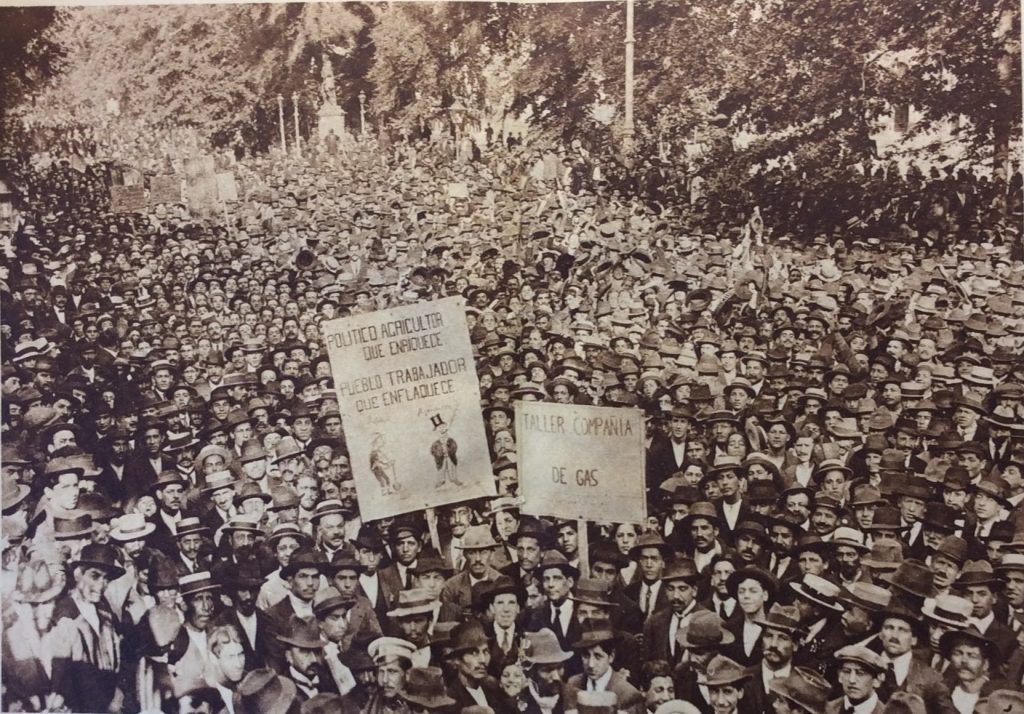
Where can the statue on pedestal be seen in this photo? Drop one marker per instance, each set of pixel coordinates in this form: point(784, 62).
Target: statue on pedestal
point(330, 115)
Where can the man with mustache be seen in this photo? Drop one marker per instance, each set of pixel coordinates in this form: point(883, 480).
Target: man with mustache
point(781, 633)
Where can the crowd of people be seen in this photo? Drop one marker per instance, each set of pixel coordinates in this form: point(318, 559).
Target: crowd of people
point(834, 466)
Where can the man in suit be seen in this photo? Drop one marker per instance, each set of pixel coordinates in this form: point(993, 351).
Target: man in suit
point(242, 585)
point(732, 510)
point(904, 672)
point(597, 647)
point(979, 584)
point(478, 546)
point(648, 592)
point(780, 634)
point(503, 602)
point(361, 621)
point(557, 611)
point(667, 454)
point(303, 577)
point(381, 593)
point(148, 461)
point(469, 656)
point(304, 659)
point(406, 544)
point(816, 600)
point(861, 673)
point(661, 631)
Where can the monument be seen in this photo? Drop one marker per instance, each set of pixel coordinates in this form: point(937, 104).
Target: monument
point(331, 118)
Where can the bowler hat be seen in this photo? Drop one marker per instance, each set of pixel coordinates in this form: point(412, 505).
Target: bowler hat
point(302, 560)
point(101, 556)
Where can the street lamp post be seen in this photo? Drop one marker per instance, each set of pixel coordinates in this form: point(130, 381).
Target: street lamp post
point(280, 121)
point(362, 112)
point(295, 118)
point(628, 129)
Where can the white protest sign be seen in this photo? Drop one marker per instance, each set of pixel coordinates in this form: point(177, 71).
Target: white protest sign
point(410, 404)
point(581, 462)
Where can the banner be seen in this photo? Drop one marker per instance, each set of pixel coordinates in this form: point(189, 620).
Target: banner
point(581, 462)
point(410, 404)
point(227, 190)
point(127, 199)
point(164, 189)
point(201, 185)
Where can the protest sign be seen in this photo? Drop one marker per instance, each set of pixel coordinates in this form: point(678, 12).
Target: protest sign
point(410, 404)
point(227, 190)
point(164, 189)
point(201, 185)
point(581, 462)
point(127, 199)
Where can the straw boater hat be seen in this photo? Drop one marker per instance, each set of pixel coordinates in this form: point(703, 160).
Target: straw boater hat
point(818, 590)
point(131, 526)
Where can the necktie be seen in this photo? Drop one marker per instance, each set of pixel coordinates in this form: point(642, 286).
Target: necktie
point(647, 601)
point(556, 620)
point(673, 629)
point(506, 641)
point(407, 580)
point(721, 609)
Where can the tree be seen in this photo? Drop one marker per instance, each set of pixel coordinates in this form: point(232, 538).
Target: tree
point(29, 55)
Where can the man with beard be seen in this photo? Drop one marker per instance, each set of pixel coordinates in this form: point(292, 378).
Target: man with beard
point(545, 669)
point(780, 634)
point(848, 547)
point(304, 658)
point(862, 602)
point(113, 452)
point(86, 646)
point(752, 544)
point(783, 531)
point(199, 594)
point(241, 584)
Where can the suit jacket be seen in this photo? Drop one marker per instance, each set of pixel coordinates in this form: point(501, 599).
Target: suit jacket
point(264, 652)
point(725, 531)
point(363, 624)
point(387, 594)
point(500, 658)
point(391, 578)
point(736, 651)
point(1003, 636)
point(540, 617)
point(656, 633)
point(632, 593)
point(458, 592)
point(661, 462)
point(139, 474)
point(926, 683)
point(816, 653)
point(496, 697)
point(630, 699)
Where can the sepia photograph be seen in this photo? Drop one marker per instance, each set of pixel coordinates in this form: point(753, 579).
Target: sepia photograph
point(426, 357)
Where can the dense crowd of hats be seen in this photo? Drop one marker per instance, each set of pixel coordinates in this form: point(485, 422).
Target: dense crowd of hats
point(834, 452)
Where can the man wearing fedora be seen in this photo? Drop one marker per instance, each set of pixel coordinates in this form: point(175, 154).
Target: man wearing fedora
point(545, 662)
point(86, 655)
point(304, 574)
point(470, 684)
point(725, 681)
point(781, 633)
point(557, 611)
point(905, 672)
point(477, 548)
point(241, 582)
point(597, 647)
point(974, 663)
point(661, 630)
point(304, 656)
point(981, 586)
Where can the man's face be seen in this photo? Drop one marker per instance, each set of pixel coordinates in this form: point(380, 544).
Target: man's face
point(231, 659)
point(848, 561)
point(152, 440)
point(529, 552)
point(824, 520)
point(334, 625)
point(679, 594)
point(725, 700)
point(190, 545)
point(473, 664)
point(65, 491)
point(556, 584)
point(857, 682)
point(982, 600)
point(62, 438)
point(478, 560)
point(306, 661)
point(968, 662)
point(1014, 587)
point(748, 547)
point(728, 484)
point(548, 678)
point(199, 609)
point(856, 621)
point(778, 647)
point(415, 628)
point(660, 690)
point(811, 562)
point(407, 548)
point(897, 637)
point(678, 428)
point(369, 559)
point(244, 599)
point(90, 583)
point(171, 496)
point(505, 609)
point(985, 507)
point(332, 530)
point(567, 541)
point(651, 563)
point(703, 533)
point(305, 583)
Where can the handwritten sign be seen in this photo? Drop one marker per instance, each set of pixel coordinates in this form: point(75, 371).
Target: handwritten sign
point(127, 199)
point(410, 404)
point(164, 189)
point(581, 462)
